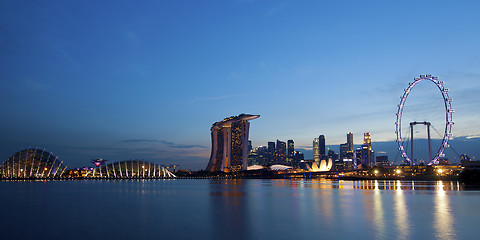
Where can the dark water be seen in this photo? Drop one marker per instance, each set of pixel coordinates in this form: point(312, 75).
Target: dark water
point(238, 209)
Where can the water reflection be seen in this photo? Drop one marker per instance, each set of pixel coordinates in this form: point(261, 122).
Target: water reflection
point(401, 211)
point(382, 209)
point(379, 221)
point(411, 185)
point(228, 209)
point(442, 214)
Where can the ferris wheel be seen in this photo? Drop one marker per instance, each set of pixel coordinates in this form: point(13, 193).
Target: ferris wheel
point(447, 111)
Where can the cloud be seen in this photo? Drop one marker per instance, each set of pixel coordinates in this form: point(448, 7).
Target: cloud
point(215, 98)
point(167, 143)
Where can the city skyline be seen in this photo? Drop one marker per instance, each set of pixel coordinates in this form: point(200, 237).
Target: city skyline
point(145, 81)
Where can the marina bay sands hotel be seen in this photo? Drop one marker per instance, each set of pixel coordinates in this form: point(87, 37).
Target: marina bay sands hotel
point(230, 144)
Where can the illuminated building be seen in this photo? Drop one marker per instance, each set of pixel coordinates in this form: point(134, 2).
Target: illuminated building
point(130, 169)
point(281, 152)
point(370, 158)
point(299, 156)
point(271, 157)
point(230, 143)
point(343, 150)
point(321, 166)
point(350, 141)
point(290, 151)
point(332, 154)
point(32, 163)
point(316, 150)
point(382, 161)
point(321, 146)
point(364, 155)
point(464, 157)
point(367, 139)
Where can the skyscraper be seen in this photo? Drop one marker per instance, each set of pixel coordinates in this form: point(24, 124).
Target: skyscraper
point(321, 146)
point(272, 156)
point(367, 140)
point(350, 141)
point(343, 151)
point(290, 151)
point(316, 150)
point(281, 152)
point(230, 143)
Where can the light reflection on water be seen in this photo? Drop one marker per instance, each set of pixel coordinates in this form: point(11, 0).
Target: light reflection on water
point(443, 218)
point(240, 209)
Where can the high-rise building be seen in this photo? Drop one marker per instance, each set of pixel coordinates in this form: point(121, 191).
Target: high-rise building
point(350, 141)
point(230, 143)
point(316, 150)
point(321, 146)
point(332, 155)
point(367, 140)
point(344, 151)
point(272, 156)
point(364, 156)
point(281, 152)
point(299, 156)
point(290, 151)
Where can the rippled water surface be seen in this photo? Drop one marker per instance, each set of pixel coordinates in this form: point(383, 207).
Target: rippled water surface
point(238, 209)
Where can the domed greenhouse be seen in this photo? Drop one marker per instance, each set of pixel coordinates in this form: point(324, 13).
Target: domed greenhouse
point(32, 163)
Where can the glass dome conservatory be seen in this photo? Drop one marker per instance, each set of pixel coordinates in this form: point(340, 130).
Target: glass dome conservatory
point(32, 163)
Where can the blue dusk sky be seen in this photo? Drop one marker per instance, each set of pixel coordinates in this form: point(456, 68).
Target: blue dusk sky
point(146, 79)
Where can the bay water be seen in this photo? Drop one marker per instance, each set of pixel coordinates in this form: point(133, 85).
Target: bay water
point(238, 209)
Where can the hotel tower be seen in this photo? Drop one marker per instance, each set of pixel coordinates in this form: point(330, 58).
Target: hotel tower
point(230, 144)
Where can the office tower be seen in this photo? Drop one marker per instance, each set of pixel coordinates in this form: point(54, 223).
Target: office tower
point(272, 156)
point(250, 148)
point(364, 156)
point(299, 156)
point(321, 146)
point(316, 150)
point(367, 140)
point(344, 151)
point(332, 155)
point(281, 152)
point(230, 143)
point(290, 151)
point(350, 141)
